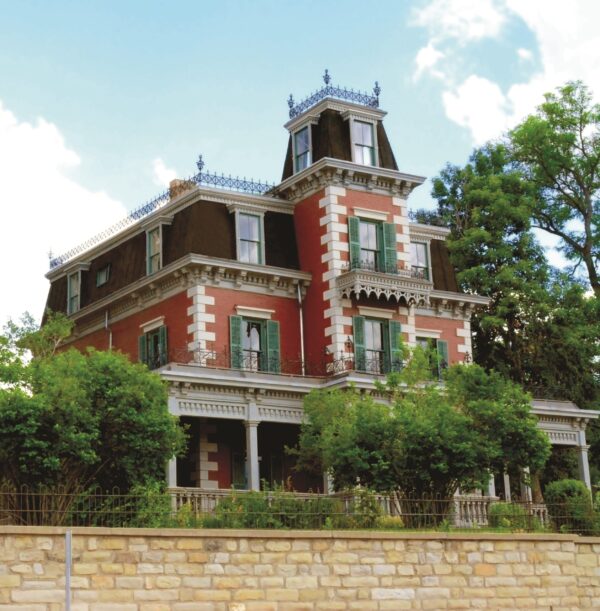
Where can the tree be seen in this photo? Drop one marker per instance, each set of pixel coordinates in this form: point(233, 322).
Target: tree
point(428, 440)
point(558, 150)
point(540, 329)
point(78, 420)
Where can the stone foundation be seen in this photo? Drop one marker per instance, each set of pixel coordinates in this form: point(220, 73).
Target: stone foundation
point(197, 570)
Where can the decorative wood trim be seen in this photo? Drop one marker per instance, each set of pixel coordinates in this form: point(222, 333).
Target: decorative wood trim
point(252, 312)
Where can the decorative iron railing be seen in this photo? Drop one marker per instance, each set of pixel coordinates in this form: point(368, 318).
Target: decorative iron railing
point(211, 179)
point(328, 365)
point(416, 272)
point(333, 91)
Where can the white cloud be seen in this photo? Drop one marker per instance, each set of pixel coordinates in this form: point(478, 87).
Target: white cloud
point(162, 174)
point(426, 59)
point(463, 20)
point(43, 208)
point(525, 54)
point(479, 105)
point(568, 48)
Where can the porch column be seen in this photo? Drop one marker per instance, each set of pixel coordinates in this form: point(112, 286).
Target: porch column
point(584, 465)
point(252, 454)
point(491, 486)
point(507, 496)
point(172, 473)
point(526, 488)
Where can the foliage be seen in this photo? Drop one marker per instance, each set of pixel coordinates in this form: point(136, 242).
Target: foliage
point(570, 507)
point(540, 329)
point(430, 441)
point(79, 420)
point(508, 515)
point(390, 523)
point(558, 150)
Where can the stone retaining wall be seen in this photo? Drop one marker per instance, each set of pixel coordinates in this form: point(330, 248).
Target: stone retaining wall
point(197, 570)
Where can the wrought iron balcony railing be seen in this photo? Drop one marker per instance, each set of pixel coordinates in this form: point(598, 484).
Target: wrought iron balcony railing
point(419, 273)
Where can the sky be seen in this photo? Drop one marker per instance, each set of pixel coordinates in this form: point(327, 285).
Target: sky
point(102, 103)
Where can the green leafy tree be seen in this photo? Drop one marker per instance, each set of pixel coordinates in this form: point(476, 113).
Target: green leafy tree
point(558, 150)
point(540, 328)
point(77, 420)
point(427, 440)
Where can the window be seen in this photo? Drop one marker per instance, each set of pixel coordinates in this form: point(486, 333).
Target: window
point(102, 275)
point(438, 354)
point(419, 261)
point(372, 245)
point(73, 292)
point(377, 345)
point(302, 149)
point(254, 344)
point(363, 142)
point(152, 347)
point(250, 244)
point(153, 250)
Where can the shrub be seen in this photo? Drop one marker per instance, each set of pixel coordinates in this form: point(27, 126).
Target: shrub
point(390, 523)
point(570, 507)
point(509, 515)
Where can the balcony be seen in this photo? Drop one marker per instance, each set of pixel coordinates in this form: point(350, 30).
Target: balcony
point(362, 278)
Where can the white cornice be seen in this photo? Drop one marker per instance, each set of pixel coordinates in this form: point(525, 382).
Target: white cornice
point(199, 269)
point(375, 114)
point(427, 232)
point(185, 199)
point(328, 171)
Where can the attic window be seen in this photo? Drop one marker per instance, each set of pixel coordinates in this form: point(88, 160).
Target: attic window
point(73, 292)
point(302, 149)
point(102, 275)
point(363, 142)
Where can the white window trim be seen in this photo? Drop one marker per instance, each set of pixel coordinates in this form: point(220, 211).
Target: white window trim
point(429, 333)
point(156, 223)
point(249, 212)
point(251, 312)
point(372, 215)
point(308, 124)
point(428, 250)
point(352, 116)
point(375, 313)
point(153, 324)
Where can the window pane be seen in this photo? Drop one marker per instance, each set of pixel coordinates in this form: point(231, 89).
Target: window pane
point(249, 227)
point(363, 133)
point(418, 254)
point(301, 162)
point(252, 252)
point(302, 143)
point(154, 241)
point(373, 335)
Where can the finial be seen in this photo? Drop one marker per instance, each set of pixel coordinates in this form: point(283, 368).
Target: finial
point(50, 254)
point(326, 77)
point(291, 101)
point(200, 163)
point(377, 91)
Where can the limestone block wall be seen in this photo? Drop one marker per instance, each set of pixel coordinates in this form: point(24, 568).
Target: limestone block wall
point(198, 570)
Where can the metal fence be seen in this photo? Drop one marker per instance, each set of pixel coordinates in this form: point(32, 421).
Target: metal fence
point(193, 507)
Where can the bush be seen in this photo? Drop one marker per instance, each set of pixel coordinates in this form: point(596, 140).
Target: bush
point(570, 507)
point(362, 510)
point(509, 515)
point(390, 523)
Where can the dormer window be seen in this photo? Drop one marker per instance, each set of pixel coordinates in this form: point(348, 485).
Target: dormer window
point(302, 149)
point(154, 250)
point(419, 260)
point(250, 238)
point(73, 292)
point(363, 142)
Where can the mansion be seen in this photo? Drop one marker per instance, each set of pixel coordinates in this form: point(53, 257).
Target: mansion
point(245, 296)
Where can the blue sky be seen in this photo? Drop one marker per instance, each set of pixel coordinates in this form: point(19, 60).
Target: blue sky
point(102, 102)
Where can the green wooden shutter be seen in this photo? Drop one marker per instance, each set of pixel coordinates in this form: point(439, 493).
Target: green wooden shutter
point(142, 356)
point(442, 356)
point(273, 354)
point(235, 341)
point(390, 254)
point(395, 346)
point(354, 238)
point(358, 327)
point(162, 345)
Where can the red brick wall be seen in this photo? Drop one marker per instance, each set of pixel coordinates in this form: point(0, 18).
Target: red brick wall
point(448, 332)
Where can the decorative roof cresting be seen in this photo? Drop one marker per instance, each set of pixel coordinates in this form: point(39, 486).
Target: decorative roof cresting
point(210, 179)
point(333, 91)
